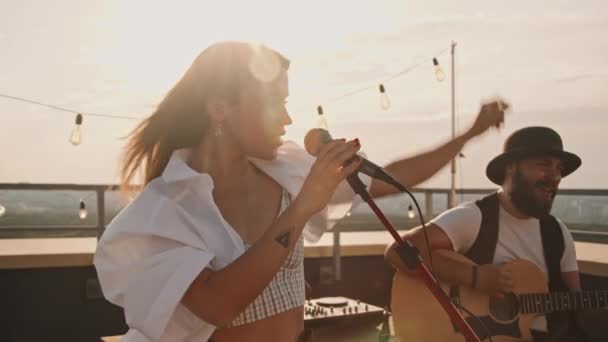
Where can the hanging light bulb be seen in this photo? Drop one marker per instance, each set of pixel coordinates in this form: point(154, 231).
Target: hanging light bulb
point(83, 210)
point(321, 122)
point(439, 74)
point(385, 102)
point(76, 136)
point(2, 210)
point(348, 214)
point(410, 212)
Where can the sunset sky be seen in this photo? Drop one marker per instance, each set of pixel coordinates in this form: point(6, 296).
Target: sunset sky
point(548, 58)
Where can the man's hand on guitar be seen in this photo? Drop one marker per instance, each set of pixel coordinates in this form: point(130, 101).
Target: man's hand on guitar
point(494, 280)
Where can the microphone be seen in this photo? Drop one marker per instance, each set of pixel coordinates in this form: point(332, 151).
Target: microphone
point(317, 137)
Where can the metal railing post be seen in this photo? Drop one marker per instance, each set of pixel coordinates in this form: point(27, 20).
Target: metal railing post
point(337, 256)
point(428, 204)
point(101, 211)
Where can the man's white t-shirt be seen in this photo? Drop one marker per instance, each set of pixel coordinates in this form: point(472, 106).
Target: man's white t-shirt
point(517, 239)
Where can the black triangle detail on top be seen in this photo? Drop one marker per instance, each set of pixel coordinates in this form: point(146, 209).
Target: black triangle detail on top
point(283, 239)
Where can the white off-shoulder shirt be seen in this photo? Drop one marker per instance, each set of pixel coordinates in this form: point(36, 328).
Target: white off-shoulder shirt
point(155, 247)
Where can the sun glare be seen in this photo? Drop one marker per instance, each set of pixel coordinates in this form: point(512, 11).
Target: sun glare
point(156, 41)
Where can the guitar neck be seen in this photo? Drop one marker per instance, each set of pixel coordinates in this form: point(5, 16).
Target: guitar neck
point(562, 301)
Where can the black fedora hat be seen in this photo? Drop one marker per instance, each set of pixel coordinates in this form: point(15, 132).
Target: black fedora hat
point(531, 141)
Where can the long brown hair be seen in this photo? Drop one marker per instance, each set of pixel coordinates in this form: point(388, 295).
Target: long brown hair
point(181, 120)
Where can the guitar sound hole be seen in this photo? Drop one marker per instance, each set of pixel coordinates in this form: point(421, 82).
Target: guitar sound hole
point(504, 309)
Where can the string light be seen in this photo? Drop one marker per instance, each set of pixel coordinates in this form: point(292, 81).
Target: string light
point(67, 110)
point(439, 74)
point(390, 78)
point(385, 102)
point(410, 212)
point(321, 122)
point(76, 135)
point(2, 210)
point(82, 213)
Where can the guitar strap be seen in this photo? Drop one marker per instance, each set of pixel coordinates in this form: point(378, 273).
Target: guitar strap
point(561, 325)
point(483, 249)
point(552, 237)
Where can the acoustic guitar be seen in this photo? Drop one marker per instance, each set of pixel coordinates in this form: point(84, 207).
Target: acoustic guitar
point(417, 316)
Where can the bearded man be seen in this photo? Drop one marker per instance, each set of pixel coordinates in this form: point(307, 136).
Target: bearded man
point(512, 223)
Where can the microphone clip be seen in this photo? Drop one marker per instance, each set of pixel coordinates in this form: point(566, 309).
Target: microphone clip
point(358, 186)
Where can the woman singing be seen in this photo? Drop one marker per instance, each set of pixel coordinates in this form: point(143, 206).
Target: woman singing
point(212, 247)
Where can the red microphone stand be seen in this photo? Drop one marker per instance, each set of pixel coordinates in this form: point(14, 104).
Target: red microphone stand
point(411, 257)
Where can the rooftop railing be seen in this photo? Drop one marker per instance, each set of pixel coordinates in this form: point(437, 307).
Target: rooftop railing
point(52, 210)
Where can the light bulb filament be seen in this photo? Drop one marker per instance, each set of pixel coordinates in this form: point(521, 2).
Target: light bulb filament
point(82, 213)
point(321, 122)
point(385, 102)
point(76, 135)
point(439, 74)
point(410, 212)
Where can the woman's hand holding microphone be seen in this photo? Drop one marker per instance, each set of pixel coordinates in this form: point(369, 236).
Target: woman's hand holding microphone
point(336, 160)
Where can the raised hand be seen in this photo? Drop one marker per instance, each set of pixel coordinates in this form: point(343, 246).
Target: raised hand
point(325, 175)
point(491, 114)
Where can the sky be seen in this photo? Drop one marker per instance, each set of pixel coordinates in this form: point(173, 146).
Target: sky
point(549, 59)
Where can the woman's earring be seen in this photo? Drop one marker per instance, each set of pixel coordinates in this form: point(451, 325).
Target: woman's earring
point(218, 130)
